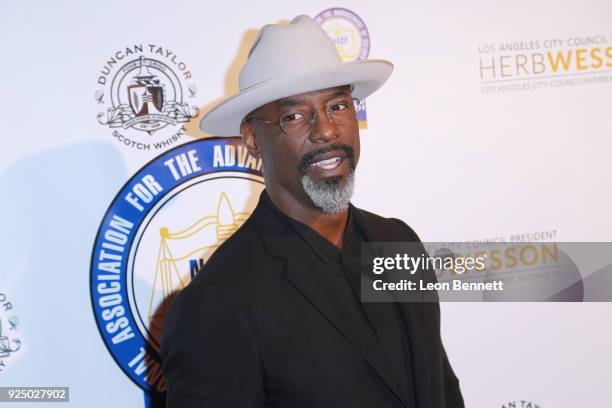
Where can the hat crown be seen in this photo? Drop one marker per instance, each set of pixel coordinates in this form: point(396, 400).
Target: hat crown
point(286, 49)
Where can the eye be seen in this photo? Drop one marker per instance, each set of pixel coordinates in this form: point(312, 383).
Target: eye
point(292, 117)
point(338, 106)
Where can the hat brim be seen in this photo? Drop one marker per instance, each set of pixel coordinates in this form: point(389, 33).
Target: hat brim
point(366, 76)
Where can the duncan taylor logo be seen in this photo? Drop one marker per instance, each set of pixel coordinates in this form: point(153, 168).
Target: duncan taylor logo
point(521, 404)
point(160, 229)
point(146, 95)
point(9, 322)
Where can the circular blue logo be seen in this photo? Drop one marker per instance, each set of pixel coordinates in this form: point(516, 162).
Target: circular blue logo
point(159, 230)
point(348, 32)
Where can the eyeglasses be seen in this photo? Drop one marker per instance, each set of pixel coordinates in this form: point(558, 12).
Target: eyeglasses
point(302, 119)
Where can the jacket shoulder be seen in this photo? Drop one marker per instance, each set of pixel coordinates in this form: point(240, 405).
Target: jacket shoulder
point(238, 267)
point(394, 228)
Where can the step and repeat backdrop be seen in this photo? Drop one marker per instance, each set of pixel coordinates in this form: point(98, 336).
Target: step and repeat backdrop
point(495, 126)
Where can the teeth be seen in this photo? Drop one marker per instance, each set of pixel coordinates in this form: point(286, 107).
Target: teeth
point(328, 164)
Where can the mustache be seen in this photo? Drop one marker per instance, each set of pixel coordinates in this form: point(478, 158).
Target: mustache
point(311, 157)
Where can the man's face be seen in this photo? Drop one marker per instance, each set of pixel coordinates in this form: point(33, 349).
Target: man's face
point(314, 163)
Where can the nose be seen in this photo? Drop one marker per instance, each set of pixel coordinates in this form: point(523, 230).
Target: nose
point(323, 129)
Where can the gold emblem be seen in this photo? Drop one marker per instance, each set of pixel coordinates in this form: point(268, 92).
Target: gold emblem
point(176, 266)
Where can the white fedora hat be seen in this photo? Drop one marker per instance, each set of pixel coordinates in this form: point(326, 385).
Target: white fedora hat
point(287, 60)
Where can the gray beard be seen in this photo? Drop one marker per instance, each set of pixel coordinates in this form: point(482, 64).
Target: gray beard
point(332, 196)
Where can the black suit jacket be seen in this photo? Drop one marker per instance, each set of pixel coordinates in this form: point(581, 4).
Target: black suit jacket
point(263, 325)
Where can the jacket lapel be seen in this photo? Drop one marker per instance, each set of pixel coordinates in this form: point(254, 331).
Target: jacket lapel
point(421, 318)
point(323, 288)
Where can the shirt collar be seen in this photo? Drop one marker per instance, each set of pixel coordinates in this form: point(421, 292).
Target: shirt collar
point(324, 248)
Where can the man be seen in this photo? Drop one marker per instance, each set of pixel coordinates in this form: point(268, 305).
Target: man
point(274, 318)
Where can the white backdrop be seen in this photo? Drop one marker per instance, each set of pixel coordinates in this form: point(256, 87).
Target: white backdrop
point(458, 151)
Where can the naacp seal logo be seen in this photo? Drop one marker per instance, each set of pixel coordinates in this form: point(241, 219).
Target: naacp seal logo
point(144, 95)
point(348, 32)
point(160, 229)
point(9, 323)
point(351, 38)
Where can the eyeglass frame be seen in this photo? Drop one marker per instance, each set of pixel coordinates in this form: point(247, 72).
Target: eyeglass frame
point(277, 122)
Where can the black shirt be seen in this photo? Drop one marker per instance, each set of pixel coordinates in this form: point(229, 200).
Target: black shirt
point(384, 318)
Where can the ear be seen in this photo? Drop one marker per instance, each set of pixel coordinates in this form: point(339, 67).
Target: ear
point(250, 140)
